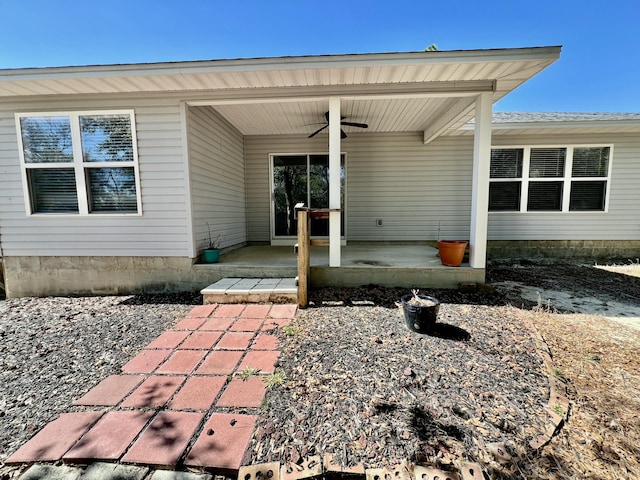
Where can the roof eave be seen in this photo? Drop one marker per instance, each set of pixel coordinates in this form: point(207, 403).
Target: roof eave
point(550, 53)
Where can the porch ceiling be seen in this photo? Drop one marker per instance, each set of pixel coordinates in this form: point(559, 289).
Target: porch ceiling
point(391, 92)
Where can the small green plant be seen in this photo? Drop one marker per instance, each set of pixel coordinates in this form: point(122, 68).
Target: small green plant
point(559, 374)
point(558, 410)
point(248, 372)
point(266, 405)
point(275, 379)
point(291, 331)
point(213, 240)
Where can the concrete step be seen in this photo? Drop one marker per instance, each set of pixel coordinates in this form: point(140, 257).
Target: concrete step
point(251, 290)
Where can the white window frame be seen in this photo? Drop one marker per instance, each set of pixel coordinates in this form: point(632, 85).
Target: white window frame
point(79, 164)
point(566, 179)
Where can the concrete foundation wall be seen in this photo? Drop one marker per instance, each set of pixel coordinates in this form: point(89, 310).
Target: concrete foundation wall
point(48, 276)
point(538, 249)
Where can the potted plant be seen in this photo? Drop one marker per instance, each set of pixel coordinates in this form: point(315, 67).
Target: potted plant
point(211, 254)
point(420, 311)
point(451, 252)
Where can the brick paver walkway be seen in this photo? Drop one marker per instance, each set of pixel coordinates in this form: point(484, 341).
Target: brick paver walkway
point(179, 401)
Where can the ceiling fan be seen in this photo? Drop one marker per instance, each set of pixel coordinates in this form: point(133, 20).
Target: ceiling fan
point(342, 122)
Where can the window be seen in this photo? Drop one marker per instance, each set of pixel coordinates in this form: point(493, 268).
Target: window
point(549, 179)
point(79, 163)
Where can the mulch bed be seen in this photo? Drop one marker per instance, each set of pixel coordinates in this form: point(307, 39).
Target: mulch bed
point(364, 387)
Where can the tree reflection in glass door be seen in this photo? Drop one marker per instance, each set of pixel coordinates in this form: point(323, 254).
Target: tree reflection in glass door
point(302, 179)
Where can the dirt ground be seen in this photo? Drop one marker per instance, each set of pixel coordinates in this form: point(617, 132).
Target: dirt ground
point(589, 316)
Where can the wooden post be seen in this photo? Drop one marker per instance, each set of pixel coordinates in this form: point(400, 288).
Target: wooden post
point(304, 246)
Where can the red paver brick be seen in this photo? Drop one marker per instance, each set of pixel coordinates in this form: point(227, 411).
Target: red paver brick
point(190, 323)
point(198, 393)
point(247, 325)
point(243, 393)
point(50, 443)
point(265, 342)
point(110, 391)
point(202, 310)
point(110, 437)
point(223, 441)
point(154, 391)
point(201, 340)
point(169, 339)
point(229, 310)
point(146, 361)
point(263, 360)
point(256, 311)
point(283, 311)
point(275, 323)
point(217, 324)
point(182, 361)
point(220, 363)
point(165, 439)
point(235, 341)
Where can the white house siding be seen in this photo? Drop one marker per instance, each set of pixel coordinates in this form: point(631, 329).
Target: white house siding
point(621, 222)
point(217, 178)
point(412, 187)
point(160, 231)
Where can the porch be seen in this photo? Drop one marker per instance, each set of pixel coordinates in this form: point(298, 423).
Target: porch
point(384, 264)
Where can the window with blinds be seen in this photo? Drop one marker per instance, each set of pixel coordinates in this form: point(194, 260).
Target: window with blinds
point(549, 179)
point(98, 175)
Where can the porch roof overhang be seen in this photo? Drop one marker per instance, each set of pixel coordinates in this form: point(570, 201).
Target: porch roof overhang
point(432, 92)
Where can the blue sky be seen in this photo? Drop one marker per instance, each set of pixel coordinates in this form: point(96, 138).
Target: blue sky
point(599, 69)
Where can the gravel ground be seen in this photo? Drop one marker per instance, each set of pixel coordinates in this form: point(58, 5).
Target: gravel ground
point(55, 349)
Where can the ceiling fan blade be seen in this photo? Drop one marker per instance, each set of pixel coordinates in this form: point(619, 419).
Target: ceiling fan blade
point(326, 115)
point(317, 131)
point(354, 124)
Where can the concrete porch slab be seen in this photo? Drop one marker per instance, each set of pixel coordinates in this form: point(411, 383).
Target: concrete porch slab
point(251, 290)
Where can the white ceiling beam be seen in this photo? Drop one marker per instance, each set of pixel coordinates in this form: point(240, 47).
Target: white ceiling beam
point(349, 92)
point(448, 118)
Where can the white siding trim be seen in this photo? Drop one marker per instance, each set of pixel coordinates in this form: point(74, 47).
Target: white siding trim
point(184, 135)
point(334, 181)
point(480, 185)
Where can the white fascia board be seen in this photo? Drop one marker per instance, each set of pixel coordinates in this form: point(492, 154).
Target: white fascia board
point(549, 54)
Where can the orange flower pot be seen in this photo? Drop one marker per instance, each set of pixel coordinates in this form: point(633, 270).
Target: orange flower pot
point(452, 252)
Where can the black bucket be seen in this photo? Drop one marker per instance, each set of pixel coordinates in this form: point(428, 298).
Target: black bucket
point(419, 318)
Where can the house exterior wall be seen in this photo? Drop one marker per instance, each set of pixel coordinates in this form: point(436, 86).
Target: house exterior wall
point(161, 230)
point(217, 177)
point(412, 187)
point(620, 222)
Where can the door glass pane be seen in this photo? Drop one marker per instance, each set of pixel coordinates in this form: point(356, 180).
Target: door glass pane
point(289, 188)
point(319, 193)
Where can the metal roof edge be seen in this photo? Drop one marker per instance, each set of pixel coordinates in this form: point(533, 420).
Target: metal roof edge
point(557, 124)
